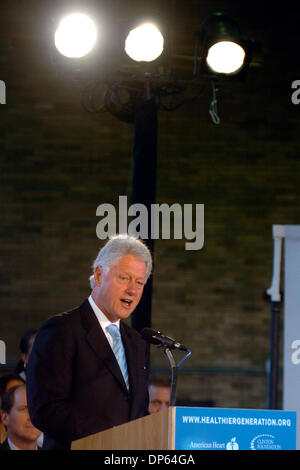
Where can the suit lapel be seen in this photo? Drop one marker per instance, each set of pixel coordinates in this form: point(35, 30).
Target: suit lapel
point(99, 343)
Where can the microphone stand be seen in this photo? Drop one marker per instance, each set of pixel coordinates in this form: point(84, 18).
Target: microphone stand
point(174, 372)
point(174, 376)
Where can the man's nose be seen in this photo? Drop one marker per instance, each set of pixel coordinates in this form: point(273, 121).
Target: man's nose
point(131, 287)
point(27, 416)
point(163, 406)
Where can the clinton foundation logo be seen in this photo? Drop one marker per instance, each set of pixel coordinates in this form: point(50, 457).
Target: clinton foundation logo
point(163, 222)
point(264, 442)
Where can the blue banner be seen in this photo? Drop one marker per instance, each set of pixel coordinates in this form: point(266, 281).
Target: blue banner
point(234, 429)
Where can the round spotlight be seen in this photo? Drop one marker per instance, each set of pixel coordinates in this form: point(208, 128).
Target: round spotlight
point(225, 57)
point(144, 43)
point(75, 36)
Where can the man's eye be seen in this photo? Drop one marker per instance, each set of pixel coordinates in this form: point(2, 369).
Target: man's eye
point(155, 402)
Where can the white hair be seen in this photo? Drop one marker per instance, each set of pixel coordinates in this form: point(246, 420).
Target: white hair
point(119, 246)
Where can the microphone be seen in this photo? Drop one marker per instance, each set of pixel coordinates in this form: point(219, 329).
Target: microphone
point(156, 337)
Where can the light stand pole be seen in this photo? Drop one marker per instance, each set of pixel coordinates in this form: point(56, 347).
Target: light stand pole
point(144, 189)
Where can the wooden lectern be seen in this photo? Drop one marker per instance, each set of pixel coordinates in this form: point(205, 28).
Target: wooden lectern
point(153, 432)
point(192, 428)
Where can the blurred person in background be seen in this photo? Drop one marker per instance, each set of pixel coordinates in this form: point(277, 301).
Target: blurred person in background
point(25, 346)
point(159, 394)
point(21, 434)
point(6, 382)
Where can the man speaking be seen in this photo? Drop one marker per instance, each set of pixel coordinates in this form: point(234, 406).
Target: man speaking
point(88, 370)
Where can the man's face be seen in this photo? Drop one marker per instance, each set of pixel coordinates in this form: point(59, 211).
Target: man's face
point(19, 427)
point(118, 292)
point(158, 398)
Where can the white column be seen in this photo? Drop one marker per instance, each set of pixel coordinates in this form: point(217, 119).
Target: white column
point(291, 347)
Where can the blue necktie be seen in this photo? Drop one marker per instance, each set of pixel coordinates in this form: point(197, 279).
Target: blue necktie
point(118, 350)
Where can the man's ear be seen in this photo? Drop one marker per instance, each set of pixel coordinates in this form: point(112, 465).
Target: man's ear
point(4, 417)
point(97, 276)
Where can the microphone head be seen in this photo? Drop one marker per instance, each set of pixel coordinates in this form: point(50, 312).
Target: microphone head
point(150, 335)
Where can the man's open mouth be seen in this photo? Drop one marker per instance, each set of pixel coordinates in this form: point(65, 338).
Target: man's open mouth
point(126, 302)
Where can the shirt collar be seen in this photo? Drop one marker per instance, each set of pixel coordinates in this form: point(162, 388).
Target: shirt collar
point(102, 318)
point(12, 446)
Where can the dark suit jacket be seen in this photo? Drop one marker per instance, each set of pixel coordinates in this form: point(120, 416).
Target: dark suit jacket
point(5, 445)
point(74, 384)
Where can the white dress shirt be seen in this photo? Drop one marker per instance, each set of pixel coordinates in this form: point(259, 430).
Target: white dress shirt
point(12, 446)
point(103, 320)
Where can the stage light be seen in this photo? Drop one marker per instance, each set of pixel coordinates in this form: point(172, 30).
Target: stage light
point(144, 43)
point(223, 51)
point(225, 57)
point(75, 36)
